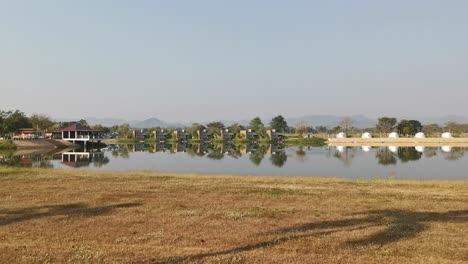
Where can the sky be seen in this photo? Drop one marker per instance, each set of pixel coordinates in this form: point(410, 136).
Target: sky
point(231, 60)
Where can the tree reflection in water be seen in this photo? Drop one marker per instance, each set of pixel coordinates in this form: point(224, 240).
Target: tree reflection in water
point(278, 159)
point(345, 154)
point(257, 156)
point(385, 156)
point(408, 154)
point(300, 154)
point(454, 154)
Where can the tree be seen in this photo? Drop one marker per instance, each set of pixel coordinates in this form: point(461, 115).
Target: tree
point(278, 123)
point(256, 123)
point(124, 131)
point(409, 127)
point(346, 123)
point(42, 122)
point(236, 128)
point(300, 128)
point(215, 127)
point(84, 123)
point(431, 129)
point(454, 127)
point(321, 129)
point(15, 120)
point(193, 130)
point(386, 125)
point(101, 128)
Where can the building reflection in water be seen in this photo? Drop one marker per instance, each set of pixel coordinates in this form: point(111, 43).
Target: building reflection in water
point(256, 153)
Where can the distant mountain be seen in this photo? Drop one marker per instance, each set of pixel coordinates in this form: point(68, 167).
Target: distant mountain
point(359, 121)
point(444, 119)
point(154, 122)
point(148, 123)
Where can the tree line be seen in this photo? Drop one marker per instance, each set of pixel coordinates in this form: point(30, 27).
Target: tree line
point(11, 121)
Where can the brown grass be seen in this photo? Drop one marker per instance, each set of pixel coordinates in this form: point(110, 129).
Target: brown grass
point(53, 216)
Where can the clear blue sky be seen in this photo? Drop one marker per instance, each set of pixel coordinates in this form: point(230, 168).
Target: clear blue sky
point(205, 60)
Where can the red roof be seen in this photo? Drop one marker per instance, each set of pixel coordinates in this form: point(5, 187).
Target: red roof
point(77, 127)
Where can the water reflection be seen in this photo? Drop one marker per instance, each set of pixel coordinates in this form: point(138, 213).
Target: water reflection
point(243, 159)
point(387, 156)
point(345, 154)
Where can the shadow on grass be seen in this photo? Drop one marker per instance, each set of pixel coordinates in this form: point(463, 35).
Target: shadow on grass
point(400, 224)
point(71, 210)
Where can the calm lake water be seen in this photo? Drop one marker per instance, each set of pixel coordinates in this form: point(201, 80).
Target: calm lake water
point(358, 163)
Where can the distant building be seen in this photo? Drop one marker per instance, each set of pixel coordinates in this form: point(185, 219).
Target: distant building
point(274, 136)
point(160, 135)
point(393, 135)
point(249, 134)
point(180, 135)
point(227, 135)
point(28, 133)
point(366, 135)
point(204, 135)
point(78, 132)
point(138, 134)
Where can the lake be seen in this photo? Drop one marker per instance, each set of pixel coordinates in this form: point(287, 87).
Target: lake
point(419, 163)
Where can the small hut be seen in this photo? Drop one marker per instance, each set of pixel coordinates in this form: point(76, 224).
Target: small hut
point(341, 135)
point(447, 135)
point(419, 135)
point(366, 135)
point(393, 135)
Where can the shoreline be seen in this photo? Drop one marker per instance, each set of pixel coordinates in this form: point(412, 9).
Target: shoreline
point(399, 142)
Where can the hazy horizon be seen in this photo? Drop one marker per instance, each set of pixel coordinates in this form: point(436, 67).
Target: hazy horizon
point(184, 61)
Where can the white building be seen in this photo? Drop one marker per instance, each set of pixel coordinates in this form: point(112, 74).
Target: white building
point(393, 135)
point(420, 135)
point(341, 135)
point(366, 135)
point(447, 135)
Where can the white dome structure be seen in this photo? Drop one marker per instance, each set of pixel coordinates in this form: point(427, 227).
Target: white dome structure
point(366, 135)
point(446, 149)
point(393, 149)
point(419, 135)
point(341, 135)
point(420, 149)
point(447, 135)
point(366, 148)
point(393, 135)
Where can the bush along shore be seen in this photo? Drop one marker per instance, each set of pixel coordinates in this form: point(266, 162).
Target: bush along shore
point(7, 145)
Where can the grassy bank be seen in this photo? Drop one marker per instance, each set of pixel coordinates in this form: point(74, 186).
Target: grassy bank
point(51, 216)
point(7, 145)
point(313, 141)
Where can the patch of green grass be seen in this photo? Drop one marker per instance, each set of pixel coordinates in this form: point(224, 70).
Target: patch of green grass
point(7, 145)
point(313, 141)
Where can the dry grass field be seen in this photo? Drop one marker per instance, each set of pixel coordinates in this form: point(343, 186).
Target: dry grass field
point(53, 216)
